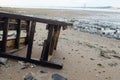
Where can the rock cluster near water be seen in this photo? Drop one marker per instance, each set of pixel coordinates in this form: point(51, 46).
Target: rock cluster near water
point(108, 29)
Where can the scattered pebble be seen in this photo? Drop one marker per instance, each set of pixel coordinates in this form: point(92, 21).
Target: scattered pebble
point(100, 65)
point(99, 72)
point(29, 77)
point(82, 56)
point(103, 71)
point(43, 72)
point(26, 65)
point(78, 53)
point(69, 53)
point(92, 59)
point(63, 58)
point(3, 60)
point(76, 50)
point(95, 69)
point(58, 77)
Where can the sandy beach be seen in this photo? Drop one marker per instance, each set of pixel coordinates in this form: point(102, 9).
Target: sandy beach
point(85, 56)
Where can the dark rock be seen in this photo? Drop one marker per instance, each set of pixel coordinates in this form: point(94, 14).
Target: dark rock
point(58, 77)
point(100, 65)
point(116, 56)
point(82, 56)
point(76, 50)
point(29, 77)
point(92, 59)
point(69, 53)
point(63, 58)
point(43, 72)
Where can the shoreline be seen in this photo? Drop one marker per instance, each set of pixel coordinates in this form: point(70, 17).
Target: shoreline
point(97, 22)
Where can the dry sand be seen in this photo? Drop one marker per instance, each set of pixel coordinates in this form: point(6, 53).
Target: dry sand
point(85, 57)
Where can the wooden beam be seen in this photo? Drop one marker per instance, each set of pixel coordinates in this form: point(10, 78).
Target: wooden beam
point(18, 29)
point(5, 34)
point(48, 21)
point(30, 41)
point(57, 36)
point(27, 30)
point(47, 43)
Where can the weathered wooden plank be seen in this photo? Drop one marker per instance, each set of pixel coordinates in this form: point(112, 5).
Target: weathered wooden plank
point(57, 36)
point(30, 41)
point(18, 29)
point(47, 43)
point(48, 21)
point(27, 31)
point(5, 33)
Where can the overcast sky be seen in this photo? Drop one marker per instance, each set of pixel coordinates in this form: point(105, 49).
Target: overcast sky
point(65, 3)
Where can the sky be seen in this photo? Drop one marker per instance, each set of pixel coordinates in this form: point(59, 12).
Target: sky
point(63, 3)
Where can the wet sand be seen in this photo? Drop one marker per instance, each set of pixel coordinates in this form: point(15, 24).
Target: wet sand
point(85, 57)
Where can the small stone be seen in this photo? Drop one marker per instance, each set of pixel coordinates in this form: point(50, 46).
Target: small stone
point(58, 77)
point(29, 77)
point(43, 72)
point(92, 59)
point(95, 69)
point(76, 50)
point(82, 56)
point(103, 71)
point(3, 60)
point(63, 58)
point(100, 65)
point(99, 72)
point(69, 53)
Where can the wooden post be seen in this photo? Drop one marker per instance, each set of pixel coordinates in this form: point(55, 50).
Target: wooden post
point(47, 43)
point(30, 41)
point(57, 36)
point(5, 34)
point(27, 31)
point(18, 28)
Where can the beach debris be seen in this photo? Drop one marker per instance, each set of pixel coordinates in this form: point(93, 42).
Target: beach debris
point(3, 60)
point(58, 77)
point(29, 76)
point(112, 64)
point(63, 58)
point(82, 56)
point(92, 59)
point(26, 65)
point(69, 53)
point(107, 53)
point(116, 56)
point(43, 71)
point(104, 55)
point(100, 65)
point(77, 50)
